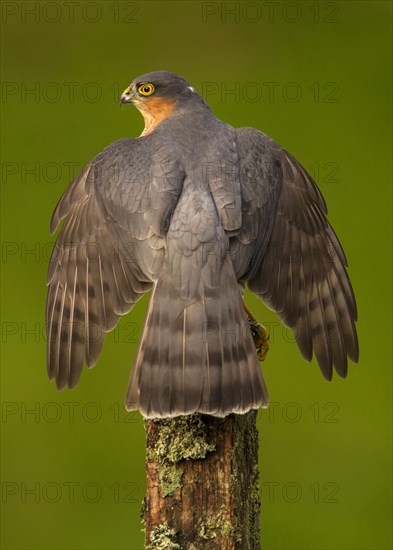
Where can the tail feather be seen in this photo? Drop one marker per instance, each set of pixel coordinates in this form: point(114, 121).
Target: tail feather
point(196, 355)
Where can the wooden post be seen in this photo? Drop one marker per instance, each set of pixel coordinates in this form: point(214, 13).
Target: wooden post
point(202, 483)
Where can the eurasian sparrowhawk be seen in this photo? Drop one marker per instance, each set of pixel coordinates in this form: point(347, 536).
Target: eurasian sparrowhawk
point(194, 210)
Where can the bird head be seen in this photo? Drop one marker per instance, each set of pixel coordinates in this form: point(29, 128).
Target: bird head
point(157, 94)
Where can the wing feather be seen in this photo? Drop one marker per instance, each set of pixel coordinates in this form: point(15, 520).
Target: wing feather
point(92, 277)
point(300, 269)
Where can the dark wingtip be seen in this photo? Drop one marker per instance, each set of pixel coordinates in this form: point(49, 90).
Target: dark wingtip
point(355, 357)
point(326, 372)
point(60, 383)
point(342, 370)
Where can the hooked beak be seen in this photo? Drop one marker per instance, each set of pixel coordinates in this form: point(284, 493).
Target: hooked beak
point(126, 96)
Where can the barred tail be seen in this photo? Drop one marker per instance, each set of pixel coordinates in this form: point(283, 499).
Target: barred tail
point(196, 355)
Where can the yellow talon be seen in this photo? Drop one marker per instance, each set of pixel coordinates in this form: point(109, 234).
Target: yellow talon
point(259, 334)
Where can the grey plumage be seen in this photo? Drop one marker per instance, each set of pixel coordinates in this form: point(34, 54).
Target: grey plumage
point(193, 210)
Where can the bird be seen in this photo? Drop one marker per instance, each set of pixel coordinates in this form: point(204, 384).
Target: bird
point(194, 211)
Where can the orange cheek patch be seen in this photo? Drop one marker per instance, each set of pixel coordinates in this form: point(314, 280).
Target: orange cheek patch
point(154, 111)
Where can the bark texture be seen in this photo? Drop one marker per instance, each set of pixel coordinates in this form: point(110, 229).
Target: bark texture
point(202, 483)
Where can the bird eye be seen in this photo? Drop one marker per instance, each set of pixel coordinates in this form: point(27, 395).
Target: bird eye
point(146, 89)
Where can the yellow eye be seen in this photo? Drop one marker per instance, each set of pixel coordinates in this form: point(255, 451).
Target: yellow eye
point(146, 89)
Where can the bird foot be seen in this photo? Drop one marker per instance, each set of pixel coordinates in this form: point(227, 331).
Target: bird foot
point(259, 334)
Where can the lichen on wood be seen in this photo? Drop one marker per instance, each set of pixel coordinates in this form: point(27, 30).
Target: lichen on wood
point(161, 538)
point(180, 438)
point(203, 483)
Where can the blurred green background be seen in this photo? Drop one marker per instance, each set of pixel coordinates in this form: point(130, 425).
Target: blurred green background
point(316, 77)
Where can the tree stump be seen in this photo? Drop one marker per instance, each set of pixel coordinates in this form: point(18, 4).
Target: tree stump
point(202, 483)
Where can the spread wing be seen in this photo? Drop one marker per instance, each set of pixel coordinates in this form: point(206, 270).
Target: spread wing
point(296, 263)
point(106, 255)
